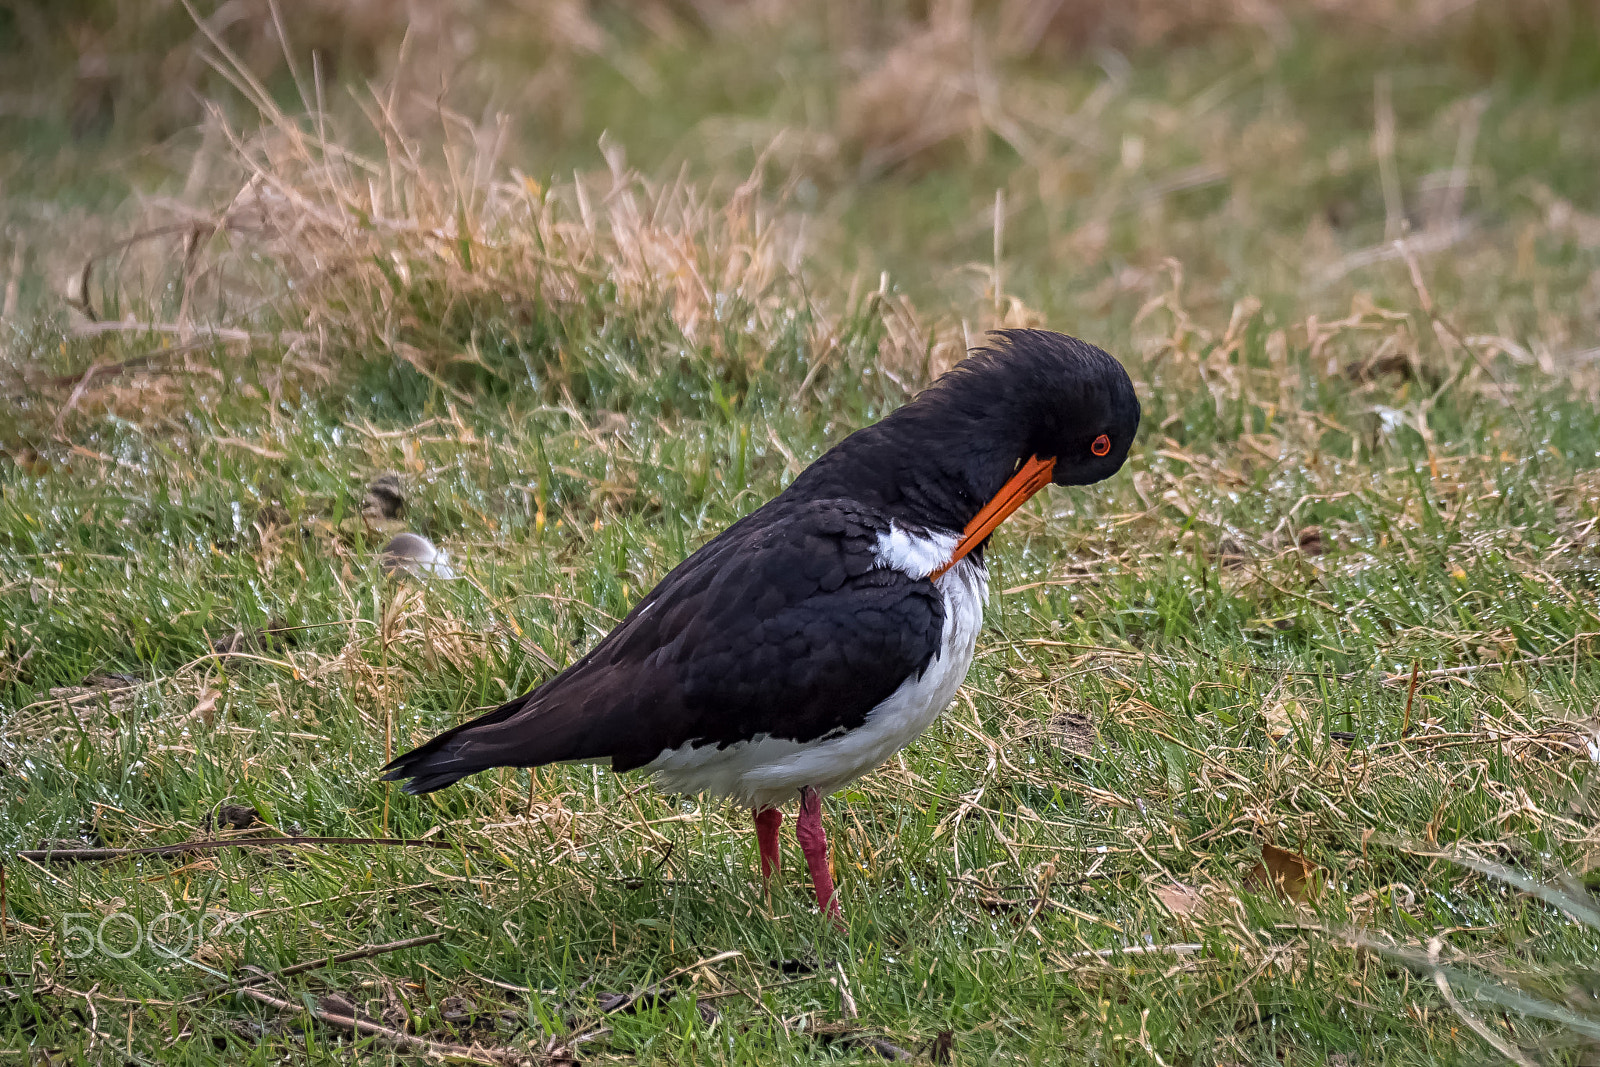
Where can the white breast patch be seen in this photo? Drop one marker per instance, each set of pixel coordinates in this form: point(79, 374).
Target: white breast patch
point(916, 554)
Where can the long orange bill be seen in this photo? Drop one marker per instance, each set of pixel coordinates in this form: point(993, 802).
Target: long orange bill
point(1034, 475)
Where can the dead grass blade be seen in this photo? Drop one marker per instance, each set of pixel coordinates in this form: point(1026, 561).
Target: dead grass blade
point(311, 965)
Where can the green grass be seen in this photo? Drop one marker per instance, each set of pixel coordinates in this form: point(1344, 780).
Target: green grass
point(1329, 491)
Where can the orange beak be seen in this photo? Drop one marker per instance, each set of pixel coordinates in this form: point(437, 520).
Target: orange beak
point(1034, 475)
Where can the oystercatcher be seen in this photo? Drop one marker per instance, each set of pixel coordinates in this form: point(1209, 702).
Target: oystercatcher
point(824, 631)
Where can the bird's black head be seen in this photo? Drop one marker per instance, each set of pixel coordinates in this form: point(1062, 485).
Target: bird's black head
point(1064, 399)
point(942, 458)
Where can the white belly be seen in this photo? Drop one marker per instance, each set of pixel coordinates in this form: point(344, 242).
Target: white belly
point(770, 771)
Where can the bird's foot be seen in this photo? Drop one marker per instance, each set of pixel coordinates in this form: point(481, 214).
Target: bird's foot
point(768, 822)
point(814, 844)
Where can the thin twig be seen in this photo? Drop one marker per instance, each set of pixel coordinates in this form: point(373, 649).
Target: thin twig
point(385, 1034)
point(1405, 720)
point(101, 855)
point(99, 369)
point(1471, 668)
point(655, 989)
point(212, 333)
point(1135, 950)
point(312, 965)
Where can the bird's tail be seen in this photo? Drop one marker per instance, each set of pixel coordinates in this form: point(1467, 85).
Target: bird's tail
point(450, 757)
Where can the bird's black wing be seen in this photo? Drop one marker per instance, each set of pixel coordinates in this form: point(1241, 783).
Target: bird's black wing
point(784, 625)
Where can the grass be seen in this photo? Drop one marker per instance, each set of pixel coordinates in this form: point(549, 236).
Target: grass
point(1232, 709)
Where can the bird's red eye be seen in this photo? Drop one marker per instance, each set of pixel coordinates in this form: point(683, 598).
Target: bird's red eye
point(1101, 446)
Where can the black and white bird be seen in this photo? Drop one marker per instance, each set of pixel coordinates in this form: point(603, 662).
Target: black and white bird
point(823, 632)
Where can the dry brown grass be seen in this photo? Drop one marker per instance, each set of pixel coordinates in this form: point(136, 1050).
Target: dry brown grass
point(319, 259)
point(928, 82)
point(913, 76)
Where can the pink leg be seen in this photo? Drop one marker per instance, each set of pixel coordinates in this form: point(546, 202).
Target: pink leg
point(768, 821)
point(814, 843)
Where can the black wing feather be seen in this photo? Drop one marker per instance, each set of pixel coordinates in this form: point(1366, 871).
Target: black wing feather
point(783, 625)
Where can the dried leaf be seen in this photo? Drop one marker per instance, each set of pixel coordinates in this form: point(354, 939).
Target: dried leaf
point(1289, 874)
point(1283, 717)
point(206, 707)
point(1182, 900)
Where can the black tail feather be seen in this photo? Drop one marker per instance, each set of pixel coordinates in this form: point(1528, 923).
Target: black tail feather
point(438, 763)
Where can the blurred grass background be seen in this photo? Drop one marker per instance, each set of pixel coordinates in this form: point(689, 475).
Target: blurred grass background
point(568, 287)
